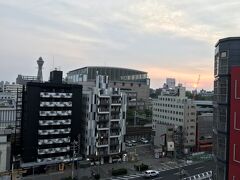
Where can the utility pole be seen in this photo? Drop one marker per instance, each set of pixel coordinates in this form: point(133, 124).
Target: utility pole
point(78, 150)
point(74, 143)
point(135, 114)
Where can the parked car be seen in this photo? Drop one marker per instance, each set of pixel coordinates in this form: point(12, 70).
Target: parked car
point(189, 161)
point(133, 141)
point(151, 173)
point(145, 141)
point(129, 144)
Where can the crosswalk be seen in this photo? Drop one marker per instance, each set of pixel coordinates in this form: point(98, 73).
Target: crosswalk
point(133, 176)
point(162, 167)
point(171, 165)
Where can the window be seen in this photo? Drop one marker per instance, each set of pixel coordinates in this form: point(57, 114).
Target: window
point(223, 54)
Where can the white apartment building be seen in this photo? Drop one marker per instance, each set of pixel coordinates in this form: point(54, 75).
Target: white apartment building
point(174, 108)
point(7, 109)
point(104, 111)
point(13, 88)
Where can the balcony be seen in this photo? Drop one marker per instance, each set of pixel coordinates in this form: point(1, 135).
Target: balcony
point(116, 103)
point(103, 95)
point(54, 131)
point(102, 153)
point(53, 141)
point(103, 110)
point(103, 118)
point(114, 133)
point(102, 144)
point(56, 104)
point(114, 142)
point(55, 95)
point(54, 122)
point(115, 127)
point(104, 102)
point(55, 113)
point(53, 150)
point(115, 109)
point(114, 151)
point(60, 158)
point(116, 93)
point(115, 117)
point(102, 135)
point(102, 127)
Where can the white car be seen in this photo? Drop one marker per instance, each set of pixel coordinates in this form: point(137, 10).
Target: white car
point(129, 144)
point(151, 173)
point(145, 141)
point(133, 141)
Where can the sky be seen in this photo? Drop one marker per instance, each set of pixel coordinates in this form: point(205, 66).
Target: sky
point(166, 38)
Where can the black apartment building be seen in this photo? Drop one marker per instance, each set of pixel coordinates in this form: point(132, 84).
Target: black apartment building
point(51, 121)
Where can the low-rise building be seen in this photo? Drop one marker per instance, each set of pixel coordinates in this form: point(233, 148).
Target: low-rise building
point(173, 108)
point(204, 130)
point(5, 150)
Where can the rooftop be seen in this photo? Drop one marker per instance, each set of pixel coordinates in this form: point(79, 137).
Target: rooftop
point(227, 39)
point(109, 67)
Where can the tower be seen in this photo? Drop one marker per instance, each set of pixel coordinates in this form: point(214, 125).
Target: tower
point(40, 64)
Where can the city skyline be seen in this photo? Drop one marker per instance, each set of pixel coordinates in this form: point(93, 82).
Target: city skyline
point(165, 39)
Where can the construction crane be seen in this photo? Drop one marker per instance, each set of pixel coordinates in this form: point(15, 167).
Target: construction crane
point(196, 86)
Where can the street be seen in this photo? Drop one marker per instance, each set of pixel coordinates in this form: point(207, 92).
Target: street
point(173, 174)
point(168, 168)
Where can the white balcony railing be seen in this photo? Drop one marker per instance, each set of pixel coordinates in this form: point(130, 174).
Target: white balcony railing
point(55, 95)
point(103, 110)
point(53, 150)
point(59, 158)
point(56, 104)
point(54, 131)
point(54, 122)
point(53, 141)
point(102, 144)
point(102, 127)
point(55, 113)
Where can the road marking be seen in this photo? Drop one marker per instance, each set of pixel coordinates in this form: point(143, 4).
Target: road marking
point(158, 177)
point(121, 178)
point(199, 167)
point(132, 176)
point(127, 177)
